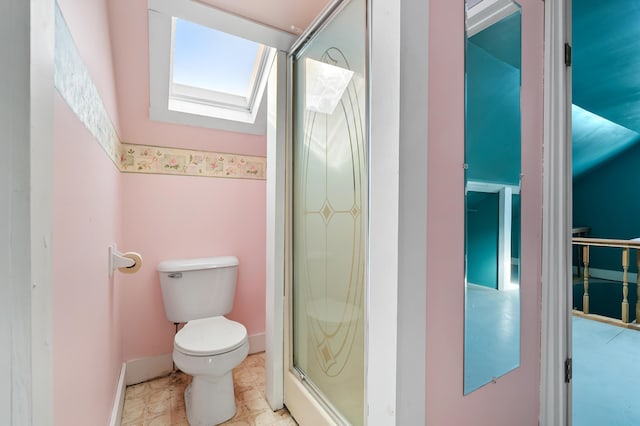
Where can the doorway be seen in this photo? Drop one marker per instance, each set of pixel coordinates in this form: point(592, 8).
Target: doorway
point(605, 152)
point(556, 372)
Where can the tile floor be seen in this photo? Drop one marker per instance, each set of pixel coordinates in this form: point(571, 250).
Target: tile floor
point(160, 402)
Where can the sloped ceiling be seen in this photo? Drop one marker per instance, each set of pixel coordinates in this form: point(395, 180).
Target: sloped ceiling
point(288, 15)
point(502, 40)
point(606, 80)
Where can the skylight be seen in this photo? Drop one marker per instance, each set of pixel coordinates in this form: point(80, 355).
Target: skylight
point(213, 60)
point(216, 74)
point(209, 68)
point(216, 68)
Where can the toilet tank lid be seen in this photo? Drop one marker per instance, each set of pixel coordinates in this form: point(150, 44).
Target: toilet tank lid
point(179, 265)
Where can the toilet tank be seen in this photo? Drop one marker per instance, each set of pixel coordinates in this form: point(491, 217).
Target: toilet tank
point(198, 288)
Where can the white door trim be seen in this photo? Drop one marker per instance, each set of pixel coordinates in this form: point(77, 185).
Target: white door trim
point(276, 214)
point(382, 290)
point(412, 212)
point(555, 394)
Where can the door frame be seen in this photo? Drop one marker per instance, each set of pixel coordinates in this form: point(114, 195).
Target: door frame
point(555, 394)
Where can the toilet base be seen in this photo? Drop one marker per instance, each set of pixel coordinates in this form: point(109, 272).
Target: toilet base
point(210, 400)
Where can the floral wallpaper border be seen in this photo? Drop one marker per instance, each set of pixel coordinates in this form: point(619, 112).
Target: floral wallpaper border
point(73, 82)
point(154, 159)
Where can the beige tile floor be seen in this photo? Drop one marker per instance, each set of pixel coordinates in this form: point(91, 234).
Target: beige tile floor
point(160, 402)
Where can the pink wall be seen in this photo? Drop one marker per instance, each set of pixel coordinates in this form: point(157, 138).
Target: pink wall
point(514, 398)
point(87, 212)
point(174, 216)
point(170, 217)
point(86, 308)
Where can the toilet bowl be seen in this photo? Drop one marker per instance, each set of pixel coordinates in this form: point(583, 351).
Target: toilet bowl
point(200, 292)
point(209, 399)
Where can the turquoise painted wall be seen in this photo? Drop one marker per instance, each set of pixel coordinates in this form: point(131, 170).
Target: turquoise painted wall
point(482, 238)
point(515, 236)
point(606, 122)
point(492, 150)
point(607, 200)
point(492, 145)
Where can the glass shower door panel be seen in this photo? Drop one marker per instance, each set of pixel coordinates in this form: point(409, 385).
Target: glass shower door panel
point(329, 212)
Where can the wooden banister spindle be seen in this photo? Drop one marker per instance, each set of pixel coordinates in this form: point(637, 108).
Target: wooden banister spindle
point(625, 285)
point(585, 296)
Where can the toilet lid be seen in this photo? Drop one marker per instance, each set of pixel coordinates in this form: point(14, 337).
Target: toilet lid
point(210, 336)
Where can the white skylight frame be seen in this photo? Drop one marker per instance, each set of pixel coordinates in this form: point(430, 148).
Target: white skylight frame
point(200, 101)
point(181, 104)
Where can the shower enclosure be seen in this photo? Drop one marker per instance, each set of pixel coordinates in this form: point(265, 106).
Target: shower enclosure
point(328, 215)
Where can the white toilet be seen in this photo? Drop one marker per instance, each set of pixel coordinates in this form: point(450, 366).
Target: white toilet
point(199, 292)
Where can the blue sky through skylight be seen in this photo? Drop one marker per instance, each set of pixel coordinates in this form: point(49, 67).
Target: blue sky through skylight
point(211, 59)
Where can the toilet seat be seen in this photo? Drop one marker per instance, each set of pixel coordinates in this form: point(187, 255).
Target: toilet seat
point(210, 336)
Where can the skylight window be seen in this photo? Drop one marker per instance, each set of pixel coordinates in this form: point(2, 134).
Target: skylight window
point(217, 69)
point(216, 74)
point(209, 68)
point(213, 60)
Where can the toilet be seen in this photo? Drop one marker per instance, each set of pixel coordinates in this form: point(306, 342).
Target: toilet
point(199, 292)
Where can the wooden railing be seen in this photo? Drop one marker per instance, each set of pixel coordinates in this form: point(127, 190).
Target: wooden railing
point(626, 246)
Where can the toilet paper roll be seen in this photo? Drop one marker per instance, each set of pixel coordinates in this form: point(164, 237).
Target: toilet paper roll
point(137, 265)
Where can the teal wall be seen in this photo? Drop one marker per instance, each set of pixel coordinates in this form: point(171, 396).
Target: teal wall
point(607, 200)
point(606, 132)
point(492, 141)
point(482, 238)
point(515, 235)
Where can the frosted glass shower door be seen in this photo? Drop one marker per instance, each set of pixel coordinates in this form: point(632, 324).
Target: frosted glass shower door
point(329, 213)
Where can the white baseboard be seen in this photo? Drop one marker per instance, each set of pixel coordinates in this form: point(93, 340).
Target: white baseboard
point(257, 343)
point(143, 369)
point(606, 274)
point(118, 402)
